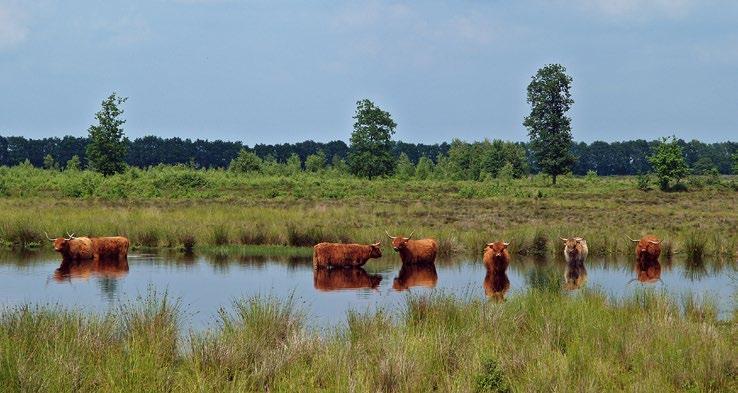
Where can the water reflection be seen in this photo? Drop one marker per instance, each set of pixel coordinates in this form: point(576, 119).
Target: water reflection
point(84, 269)
point(415, 275)
point(648, 270)
point(575, 275)
point(496, 284)
point(335, 279)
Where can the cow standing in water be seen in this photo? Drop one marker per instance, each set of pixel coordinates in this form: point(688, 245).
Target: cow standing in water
point(414, 251)
point(496, 260)
point(79, 248)
point(647, 266)
point(575, 252)
point(344, 255)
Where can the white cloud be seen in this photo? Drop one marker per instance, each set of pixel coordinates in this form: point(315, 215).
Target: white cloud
point(13, 29)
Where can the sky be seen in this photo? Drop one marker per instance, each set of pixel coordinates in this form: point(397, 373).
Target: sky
point(276, 72)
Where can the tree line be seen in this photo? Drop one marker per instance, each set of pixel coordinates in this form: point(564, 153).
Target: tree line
point(613, 158)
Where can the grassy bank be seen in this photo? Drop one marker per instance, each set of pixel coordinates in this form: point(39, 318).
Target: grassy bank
point(231, 210)
point(537, 340)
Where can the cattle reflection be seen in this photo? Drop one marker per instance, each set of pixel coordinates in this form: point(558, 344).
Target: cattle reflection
point(334, 279)
point(648, 270)
point(575, 275)
point(84, 269)
point(496, 284)
point(415, 275)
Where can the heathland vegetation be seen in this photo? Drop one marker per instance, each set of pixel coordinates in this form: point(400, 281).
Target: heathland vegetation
point(540, 339)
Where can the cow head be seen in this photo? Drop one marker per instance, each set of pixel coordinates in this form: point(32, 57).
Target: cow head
point(573, 245)
point(498, 248)
point(376, 250)
point(648, 244)
point(60, 243)
point(399, 242)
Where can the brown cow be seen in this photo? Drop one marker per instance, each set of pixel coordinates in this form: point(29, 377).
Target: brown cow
point(575, 275)
point(73, 248)
point(86, 268)
point(496, 284)
point(110, 247)
point(325, 279)
point(414, 251)
point(496, 256)
point(575, 249)
point(415, 275)
point(648, 248)
point(344, 255)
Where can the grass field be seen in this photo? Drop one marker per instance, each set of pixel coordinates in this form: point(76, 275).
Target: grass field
point(182, 208)
point(539, 340)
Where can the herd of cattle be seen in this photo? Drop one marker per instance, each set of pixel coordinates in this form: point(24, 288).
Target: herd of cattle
point(339, 265)
point(418, 264)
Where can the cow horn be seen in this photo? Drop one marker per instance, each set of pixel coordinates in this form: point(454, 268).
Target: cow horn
point(376, 244)
point(633, 240)
point(70, 237)
point(564, 239)
point(390, 236)
point(411, 235)
point(506, 244)
point(654, 241)
point(47, 236)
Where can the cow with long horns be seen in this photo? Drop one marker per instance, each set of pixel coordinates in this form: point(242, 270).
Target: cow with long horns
point(414, 251)
point(648, 248)
point(575, 249)
point(76, 248)
point(496, 256)
point(72, 248)
point(344, 255)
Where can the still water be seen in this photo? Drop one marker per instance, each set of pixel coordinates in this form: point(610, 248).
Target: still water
point(204, 284)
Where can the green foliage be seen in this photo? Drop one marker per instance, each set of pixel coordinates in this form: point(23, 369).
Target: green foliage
point(424, 169)
point(74, 164)
point(339, 166)
point(668, 163)
point(703, 166)
point(315, 162)
point(405, 168)
point(246, 162)
point(50, 163)
point(507, 172)
point(293, 165)
point(591, 176)
point(643, 180)
point(482, 160)
point(491, 378)
point(107, 149)
point(370, 153)
point(548, 126)
point(735, 163)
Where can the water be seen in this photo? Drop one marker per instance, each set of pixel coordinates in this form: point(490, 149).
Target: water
point(205, 284)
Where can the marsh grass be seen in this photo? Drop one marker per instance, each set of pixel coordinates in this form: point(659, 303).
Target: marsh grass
point(647, 342)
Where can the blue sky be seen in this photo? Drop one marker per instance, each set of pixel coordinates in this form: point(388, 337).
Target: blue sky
point(272, 72)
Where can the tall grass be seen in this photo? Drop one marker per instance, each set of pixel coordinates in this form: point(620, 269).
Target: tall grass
point(437, 343)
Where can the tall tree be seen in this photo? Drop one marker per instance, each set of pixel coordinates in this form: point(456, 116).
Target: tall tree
point(668, 162)
point(106, 151)
point(370, 153)
point(548, 126)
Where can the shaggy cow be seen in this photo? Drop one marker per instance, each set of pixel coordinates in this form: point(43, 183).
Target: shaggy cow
point(415, 275)
point(344, 255)
point(648, 248)
point(496, 256)
point(110, 247)
point(73, 248)
point(414, 251)
point(575, 275)
point(76, 248)
point(575, 249)
point(348, 278)
point(83, 269)
point(496, 284)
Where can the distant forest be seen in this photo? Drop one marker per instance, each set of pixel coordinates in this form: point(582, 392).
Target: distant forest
point(616, 158)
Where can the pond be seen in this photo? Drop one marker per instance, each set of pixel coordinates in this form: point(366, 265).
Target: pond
point(203, 283)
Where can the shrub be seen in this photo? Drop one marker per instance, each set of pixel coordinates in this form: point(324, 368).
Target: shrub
point(643, 180)
point(491, 378)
